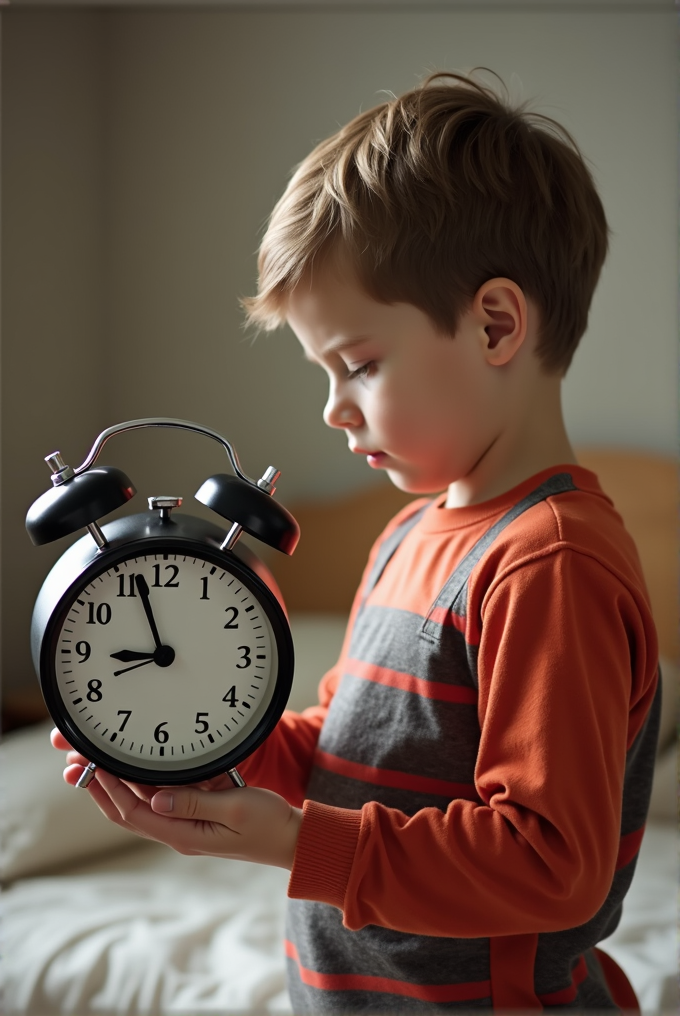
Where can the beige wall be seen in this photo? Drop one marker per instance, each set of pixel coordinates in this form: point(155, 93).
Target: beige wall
point(142, 151)
point(53, 391)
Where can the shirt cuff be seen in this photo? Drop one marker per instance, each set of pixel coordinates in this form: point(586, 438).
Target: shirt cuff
point(324, 854)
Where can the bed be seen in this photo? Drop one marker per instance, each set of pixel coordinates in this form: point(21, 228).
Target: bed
point(97, 921)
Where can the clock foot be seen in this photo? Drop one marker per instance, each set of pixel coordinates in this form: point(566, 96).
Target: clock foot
point(87, 776)
point(236, 778)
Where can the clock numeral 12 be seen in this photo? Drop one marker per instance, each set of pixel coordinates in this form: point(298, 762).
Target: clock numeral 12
point(171, 583)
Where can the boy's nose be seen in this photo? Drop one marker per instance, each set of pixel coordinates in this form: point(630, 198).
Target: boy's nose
point(340, 411)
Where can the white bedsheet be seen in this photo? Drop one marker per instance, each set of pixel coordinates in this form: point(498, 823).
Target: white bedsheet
point(149, 931)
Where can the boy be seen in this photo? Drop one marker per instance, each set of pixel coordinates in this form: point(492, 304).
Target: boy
point(463, 808)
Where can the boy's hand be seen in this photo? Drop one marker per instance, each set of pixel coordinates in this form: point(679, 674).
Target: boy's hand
point(213, 817)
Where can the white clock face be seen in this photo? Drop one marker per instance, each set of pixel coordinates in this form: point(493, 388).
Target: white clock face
point(166, 661)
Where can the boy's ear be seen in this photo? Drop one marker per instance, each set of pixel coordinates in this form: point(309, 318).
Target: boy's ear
point(501, 308)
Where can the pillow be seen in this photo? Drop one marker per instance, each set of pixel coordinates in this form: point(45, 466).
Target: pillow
point(43, 821)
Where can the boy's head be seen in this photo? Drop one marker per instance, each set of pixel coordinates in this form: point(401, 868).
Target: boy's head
point(429, 196)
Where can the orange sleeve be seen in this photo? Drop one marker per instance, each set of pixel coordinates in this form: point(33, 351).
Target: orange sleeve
point(539, 853)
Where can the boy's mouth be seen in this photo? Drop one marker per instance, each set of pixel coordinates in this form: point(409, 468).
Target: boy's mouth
point(374, 459)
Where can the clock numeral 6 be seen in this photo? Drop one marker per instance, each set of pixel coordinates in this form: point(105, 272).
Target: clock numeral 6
point(161, 735)
point(201, 724)
point(100, 615)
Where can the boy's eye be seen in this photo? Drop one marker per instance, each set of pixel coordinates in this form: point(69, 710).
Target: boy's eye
point(364, 371)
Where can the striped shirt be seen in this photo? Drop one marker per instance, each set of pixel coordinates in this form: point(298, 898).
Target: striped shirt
point(477, 774)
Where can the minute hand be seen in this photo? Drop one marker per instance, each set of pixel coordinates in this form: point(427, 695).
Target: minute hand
point(143, 590)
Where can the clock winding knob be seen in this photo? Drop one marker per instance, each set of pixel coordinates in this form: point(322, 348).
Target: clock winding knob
point(164, 505)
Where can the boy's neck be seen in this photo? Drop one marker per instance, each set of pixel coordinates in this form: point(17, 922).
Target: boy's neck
point(533, 438)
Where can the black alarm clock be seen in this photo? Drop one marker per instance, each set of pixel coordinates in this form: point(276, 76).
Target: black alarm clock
point(162, 648)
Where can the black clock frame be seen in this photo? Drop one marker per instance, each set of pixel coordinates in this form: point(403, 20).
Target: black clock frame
point(147, 533)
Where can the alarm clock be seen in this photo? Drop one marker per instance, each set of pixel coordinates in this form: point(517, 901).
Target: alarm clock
point(162, 648)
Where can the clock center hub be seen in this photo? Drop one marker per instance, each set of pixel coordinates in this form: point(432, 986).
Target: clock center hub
point(164, 656)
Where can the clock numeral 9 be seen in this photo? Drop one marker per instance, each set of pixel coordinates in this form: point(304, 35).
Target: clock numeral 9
point(83, 649)
point(102, 614)
point(161, 735)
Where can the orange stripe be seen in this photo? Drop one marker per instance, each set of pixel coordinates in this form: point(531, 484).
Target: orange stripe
point(446, 617)
point(578, 975)
point(361, 982)
point(394, 778)
point(629, 845)
point(408, 682)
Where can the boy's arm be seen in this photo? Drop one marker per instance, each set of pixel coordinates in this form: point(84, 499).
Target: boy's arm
point(557, 712)
point(283, 763)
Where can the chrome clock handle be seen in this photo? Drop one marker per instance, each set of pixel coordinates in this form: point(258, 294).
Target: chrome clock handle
point(62, 472)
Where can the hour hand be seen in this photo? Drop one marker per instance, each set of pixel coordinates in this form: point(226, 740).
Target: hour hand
point(126, 655)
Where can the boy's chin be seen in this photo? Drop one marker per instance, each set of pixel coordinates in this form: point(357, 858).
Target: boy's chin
point(418, 486)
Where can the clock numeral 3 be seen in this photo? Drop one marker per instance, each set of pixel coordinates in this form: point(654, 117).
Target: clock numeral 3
point(245, 659)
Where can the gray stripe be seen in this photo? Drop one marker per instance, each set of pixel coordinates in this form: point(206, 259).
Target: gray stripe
point(374, 951)
point(640, 760)
point(405, 733)
point(388, 637)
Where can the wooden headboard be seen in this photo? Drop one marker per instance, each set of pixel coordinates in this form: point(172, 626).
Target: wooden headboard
point(337, 535)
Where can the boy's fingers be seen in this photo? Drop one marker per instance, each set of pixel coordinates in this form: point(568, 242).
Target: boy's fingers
point(59, 741)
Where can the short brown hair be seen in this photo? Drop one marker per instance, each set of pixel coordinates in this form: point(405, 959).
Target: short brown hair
point(434, 193)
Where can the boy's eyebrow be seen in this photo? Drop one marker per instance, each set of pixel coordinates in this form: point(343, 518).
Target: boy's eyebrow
point(337, 345)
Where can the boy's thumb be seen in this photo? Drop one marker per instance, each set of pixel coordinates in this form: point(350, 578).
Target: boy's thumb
point(163, 802)
point(192, 803)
